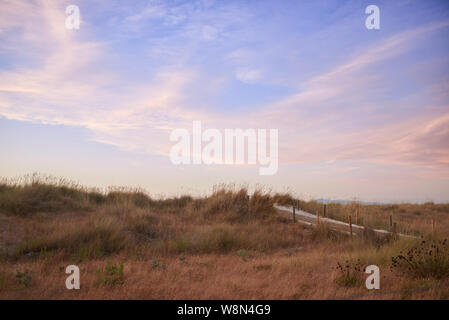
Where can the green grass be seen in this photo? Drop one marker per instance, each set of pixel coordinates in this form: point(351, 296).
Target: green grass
point(110, 275)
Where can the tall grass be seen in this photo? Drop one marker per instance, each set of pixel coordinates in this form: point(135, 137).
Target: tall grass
point(415, 219)
point(63, 218)
point(36, 193)
point(233, 239)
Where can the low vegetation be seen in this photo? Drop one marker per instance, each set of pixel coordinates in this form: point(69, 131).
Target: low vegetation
point(229, 244)
point(429, 259)
point(110, 275)
point(417, 219)
point(350, 274)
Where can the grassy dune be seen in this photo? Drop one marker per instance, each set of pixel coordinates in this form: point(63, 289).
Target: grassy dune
point(223, 246)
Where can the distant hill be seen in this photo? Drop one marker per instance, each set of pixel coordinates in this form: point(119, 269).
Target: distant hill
point(346, 201)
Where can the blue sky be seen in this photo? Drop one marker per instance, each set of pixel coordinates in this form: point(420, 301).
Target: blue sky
point(360, 113)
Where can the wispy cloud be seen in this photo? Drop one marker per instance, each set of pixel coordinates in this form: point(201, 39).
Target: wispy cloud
point(334, 115)
point(337, 116)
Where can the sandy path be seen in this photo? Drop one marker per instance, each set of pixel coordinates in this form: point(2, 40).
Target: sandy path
point(310, 219)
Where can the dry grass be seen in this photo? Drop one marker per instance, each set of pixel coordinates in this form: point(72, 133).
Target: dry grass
point(429, 259)
point(223, 246)
point(410, 218)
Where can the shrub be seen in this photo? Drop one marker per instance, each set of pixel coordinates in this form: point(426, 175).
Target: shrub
point(429, 259)
point(350, 274)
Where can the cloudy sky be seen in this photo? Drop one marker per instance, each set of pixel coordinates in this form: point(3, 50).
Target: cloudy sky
point(360, 113)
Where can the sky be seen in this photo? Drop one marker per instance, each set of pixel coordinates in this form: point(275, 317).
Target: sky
point(361, 113)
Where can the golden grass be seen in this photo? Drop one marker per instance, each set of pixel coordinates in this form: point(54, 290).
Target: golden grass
point(223, 246)
point(410, 218)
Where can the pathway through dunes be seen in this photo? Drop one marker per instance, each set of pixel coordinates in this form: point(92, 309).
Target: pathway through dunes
point(311, 219)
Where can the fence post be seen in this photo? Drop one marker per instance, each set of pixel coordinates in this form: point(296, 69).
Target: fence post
point(294, 219)
point(391, 221)
point(394, 230)
point(350, 226)
point(324, 210)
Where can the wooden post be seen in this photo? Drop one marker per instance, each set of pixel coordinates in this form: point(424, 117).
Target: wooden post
point(350, 226)
point(324, 210)
point(294, 218)
point(391, 221)
point(394, 230)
